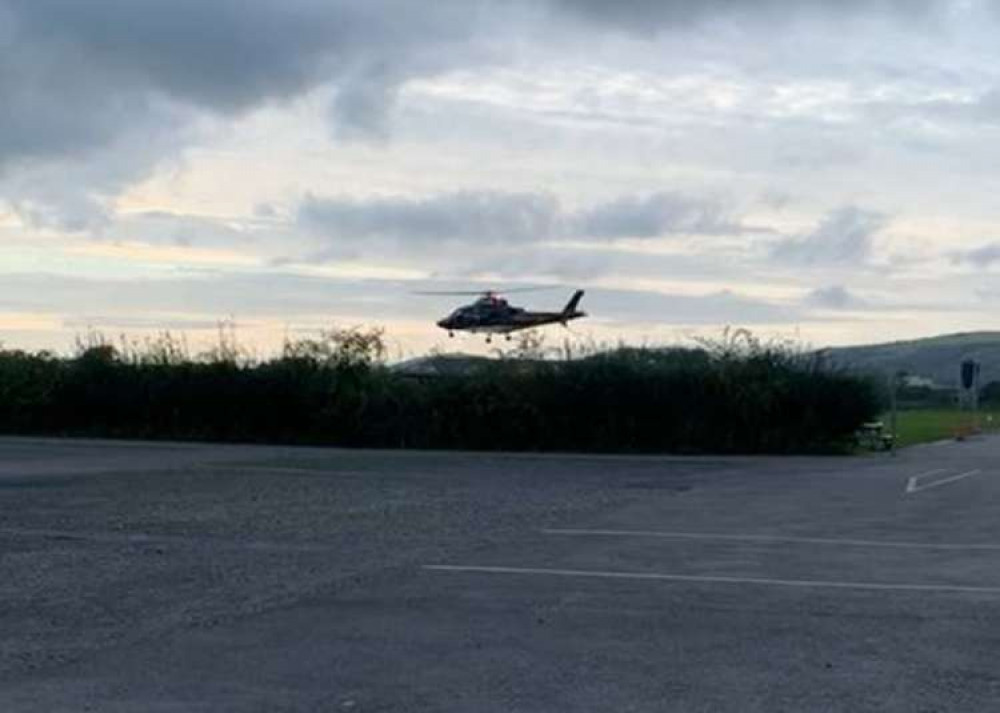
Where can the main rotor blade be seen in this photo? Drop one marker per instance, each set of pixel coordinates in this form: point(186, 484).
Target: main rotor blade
point(528, 289)
point(488, 292)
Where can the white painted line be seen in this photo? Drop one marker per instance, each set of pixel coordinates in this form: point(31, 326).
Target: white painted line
point(912, 485)
point(912, 482)
point(771, 539)
point(699, 579)
point(236, 467)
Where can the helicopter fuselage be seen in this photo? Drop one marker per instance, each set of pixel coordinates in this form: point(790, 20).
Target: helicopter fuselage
point(492, 315)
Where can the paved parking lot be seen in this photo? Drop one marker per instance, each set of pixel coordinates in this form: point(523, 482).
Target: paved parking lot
point(164, 577)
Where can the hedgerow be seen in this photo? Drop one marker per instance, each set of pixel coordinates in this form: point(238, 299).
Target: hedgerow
point(735, 395)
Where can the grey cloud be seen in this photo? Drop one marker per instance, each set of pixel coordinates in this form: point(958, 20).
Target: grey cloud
point(545, 263)
point(75, 75)
point(90, 81)
point(227, 55)
point(93, 81)
point(484, 219)
point(360, 108)
point(265, 211)
point(645, 16)
point(477, 217)
point(655, 215)
point(72, 195)
point(60, 209)
point(834, 297)
point(224, 54)
point(845, 236)
point(724, 307)
point(983, 256)
point(837, 297)
point(580, 265)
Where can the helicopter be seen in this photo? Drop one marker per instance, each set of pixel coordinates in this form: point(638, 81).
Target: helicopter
point(492, 314)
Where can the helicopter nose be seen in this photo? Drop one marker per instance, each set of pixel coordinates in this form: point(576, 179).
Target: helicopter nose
point(443, 323)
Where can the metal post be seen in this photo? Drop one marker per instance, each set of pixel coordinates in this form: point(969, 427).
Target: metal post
point(893, 420)
point(970, 396)
point(975, 399)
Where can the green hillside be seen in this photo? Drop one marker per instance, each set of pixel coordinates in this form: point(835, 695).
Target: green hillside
point(937, 358)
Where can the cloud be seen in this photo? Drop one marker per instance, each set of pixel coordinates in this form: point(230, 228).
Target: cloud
point(983, 256)
point(88, 83)
point(197, 302)
point(75, 75)
point(475, 217)
point(716, 308)
point(226, 56)
point(645, 16)
point(209, 296)
point(96, 81)
point(655, 215)
point(844, 237)
point(835, 297)
point(155, 323)
point(75, 194)
point(487, 219)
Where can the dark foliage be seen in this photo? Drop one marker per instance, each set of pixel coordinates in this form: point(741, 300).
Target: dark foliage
point(990, 394)
point(725, 398)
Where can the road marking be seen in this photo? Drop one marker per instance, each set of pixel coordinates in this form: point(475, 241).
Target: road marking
point(912, 482)
point(279, 470)
point(705, 579)
point(770, 539)
point(912, 485)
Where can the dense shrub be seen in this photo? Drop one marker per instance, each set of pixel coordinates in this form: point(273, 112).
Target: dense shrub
point(734, 396)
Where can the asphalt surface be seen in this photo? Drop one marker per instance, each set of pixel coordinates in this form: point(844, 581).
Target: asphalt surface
point(144, 577)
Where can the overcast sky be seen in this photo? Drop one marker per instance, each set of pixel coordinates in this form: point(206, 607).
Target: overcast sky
point(826, 171)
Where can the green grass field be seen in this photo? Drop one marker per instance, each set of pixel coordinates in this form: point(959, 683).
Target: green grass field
point(927, 425)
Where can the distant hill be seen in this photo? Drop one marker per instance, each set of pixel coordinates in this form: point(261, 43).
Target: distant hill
point(937, 358)
point(440, 365)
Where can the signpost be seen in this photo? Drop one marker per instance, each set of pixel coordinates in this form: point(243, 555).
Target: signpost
point(969, 394)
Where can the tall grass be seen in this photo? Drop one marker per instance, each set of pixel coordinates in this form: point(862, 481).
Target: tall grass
point(734, 395)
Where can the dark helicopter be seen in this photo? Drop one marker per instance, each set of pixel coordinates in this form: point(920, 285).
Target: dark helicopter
point(492, 314)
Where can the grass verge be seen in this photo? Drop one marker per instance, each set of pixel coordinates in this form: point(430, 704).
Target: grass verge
point(929, 425)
